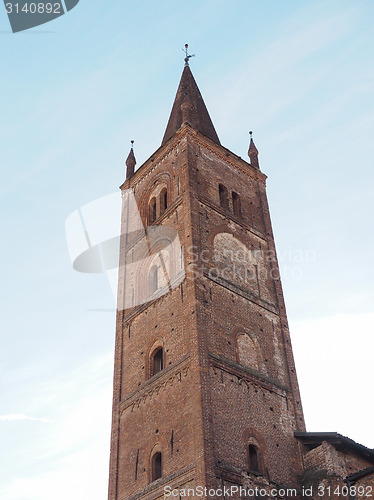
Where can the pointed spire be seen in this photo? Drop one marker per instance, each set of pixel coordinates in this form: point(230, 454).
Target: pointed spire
point(253, 153)
point(189, 107)
point(130, 162)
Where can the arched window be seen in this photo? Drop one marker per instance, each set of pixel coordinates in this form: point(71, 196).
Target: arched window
point(156, 466)
point(223, 197)
point(152, 211)
point(253, 458)
point(236, 204)
point(157, 361)
point(163, 201)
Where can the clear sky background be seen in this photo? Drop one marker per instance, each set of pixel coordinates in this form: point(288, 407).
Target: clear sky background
point(74, 92)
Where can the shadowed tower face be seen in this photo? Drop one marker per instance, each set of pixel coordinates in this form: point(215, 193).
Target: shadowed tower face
point(205, 389)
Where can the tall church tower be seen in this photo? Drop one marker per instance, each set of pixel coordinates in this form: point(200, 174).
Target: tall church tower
point(205, 389)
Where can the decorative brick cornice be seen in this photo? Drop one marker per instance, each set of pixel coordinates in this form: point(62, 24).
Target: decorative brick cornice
point(242, 292)
point(160, 382)
point(175, 481)
point(186, 130)
point(249, 375)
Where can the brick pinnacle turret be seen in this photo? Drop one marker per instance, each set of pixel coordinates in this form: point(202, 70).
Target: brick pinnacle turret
point(253, 153)
point(130, 162)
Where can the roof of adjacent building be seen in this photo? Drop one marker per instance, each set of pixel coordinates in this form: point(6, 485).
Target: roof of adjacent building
point(313, 439)
point(360, 474)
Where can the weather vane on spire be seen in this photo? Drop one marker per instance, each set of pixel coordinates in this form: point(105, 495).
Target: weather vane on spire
point(188, 56)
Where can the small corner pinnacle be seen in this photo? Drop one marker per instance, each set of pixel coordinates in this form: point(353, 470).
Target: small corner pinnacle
point(130, 162)
point(253, 152)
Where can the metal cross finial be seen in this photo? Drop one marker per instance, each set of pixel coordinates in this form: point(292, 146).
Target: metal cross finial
point(188, 56)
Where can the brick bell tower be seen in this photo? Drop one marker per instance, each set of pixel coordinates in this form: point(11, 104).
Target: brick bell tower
point(205, 389)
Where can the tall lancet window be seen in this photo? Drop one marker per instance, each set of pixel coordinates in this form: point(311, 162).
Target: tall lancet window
point(156, 466)
point(223, 196)
point(153, 279)
point(157, 361)
point(236, 204)
point(253, 459)
point(163, 200)
point(152, 211)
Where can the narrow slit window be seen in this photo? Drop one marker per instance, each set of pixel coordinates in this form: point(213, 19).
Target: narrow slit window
point(163, 200)
point(236, 204)
point(153, 279)
point(253, 458)
point(156, 466)
point(157, 361)
point(152, 211)
point(223, 197)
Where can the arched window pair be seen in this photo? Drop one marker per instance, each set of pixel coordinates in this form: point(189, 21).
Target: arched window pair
point(224, 200)
point(152, 207)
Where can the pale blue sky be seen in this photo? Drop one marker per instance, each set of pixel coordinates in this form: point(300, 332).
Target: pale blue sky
point(74, 92)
